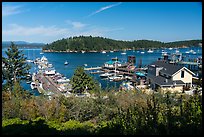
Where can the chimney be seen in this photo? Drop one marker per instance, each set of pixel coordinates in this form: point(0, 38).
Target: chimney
point(157, 70)
point(166, 80)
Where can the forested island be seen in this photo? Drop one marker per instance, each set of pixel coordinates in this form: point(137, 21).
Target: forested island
point(98, 44)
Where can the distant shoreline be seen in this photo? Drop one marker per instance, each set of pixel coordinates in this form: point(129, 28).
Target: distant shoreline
point(93, 51)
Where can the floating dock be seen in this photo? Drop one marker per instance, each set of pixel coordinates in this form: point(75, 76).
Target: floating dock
point(93, 68)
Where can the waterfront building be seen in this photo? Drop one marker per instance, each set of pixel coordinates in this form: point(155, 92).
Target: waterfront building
point(112, 63)
point(169, 77)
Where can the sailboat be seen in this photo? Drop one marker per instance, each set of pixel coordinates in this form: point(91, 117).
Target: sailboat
point(124, 52)
point(32, 85)
point(114, 77)
point(29, 60)
point(150, 51)
point(66, 63)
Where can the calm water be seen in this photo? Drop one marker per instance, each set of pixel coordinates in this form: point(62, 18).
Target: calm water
point(96, 59)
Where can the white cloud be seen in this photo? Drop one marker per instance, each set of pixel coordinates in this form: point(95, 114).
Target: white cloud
point(51, 33)
point(11, 10)
point(104, 8)
point(75, 24)
point(15, 29)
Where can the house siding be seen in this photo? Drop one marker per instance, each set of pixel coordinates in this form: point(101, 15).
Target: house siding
point(187, 76)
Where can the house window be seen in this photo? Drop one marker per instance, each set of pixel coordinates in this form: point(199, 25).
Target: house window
point(182, 74)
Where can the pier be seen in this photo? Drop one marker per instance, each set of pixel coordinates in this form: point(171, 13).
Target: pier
point(93, 68)
point(47, 84)
point(188, 63)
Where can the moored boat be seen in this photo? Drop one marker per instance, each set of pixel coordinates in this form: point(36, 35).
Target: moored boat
point(150, 51)
point(66, 63)
point(105, 75)
point(33, 85)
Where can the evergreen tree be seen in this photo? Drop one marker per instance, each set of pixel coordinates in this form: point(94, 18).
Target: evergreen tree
point(15, 67)
point(82, 82)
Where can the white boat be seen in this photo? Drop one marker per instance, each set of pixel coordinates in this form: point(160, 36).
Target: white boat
point(111, 51)
point(194, 52)
point(191, 51)
point(32, 85)
point(150, 51)
point(142, 52)
point(170, 48)
point(82, 51)
point(164, 52)
point(40, 67)
point(43, 59)
point(85, 65)
point(124, 52)
point(50, 72)
point(29, 60)
point(177, 51)
point(49, 65)
point(187, 52)
point(116, 77)
point(106, 75)
point(103, 52)
point(66, 63)
point(41, 53)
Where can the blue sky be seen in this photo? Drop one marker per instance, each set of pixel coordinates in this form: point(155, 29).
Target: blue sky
point(49, 21)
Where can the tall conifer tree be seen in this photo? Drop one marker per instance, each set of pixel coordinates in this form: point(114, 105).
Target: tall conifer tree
point(14, 67)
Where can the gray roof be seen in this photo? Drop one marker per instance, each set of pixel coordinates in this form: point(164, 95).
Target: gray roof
point(162, 81)
point(167, 68)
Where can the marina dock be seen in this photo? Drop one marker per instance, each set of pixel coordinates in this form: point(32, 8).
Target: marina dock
point(93, 68)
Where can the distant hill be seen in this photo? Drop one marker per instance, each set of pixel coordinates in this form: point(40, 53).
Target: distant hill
point(22, 44)
point(89, 43)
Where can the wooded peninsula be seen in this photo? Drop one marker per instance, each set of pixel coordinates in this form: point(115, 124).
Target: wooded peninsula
point(98, 44)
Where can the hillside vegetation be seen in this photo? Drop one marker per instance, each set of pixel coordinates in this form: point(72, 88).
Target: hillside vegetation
point(89, 43)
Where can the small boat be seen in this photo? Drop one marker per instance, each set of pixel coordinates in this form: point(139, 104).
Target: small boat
point(116, 78)
point(142, 52)
point(187, 52)
point(124, 52)
point(28, 81)
point(164, 52)
point(32, 85)
point(43, 59)
point(82, 51)
point(150, 51)
point(106, 75)
point(49, 65)
point(85, 65)
point(29, 60)
point(177, 51)
point(170, 48)
point(191, 51)
point(66, 63)
point(103, 52)
point(41, 53)
point(111, 51)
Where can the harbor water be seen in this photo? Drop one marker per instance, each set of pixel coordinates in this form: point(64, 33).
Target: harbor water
point(97, 59)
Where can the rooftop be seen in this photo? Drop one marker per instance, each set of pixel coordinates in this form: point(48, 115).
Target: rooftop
point(167, 68)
